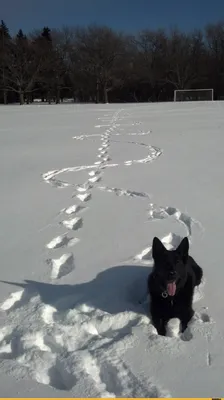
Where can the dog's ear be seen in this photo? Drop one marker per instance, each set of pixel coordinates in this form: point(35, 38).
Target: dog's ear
point(157, 248)
point(183, 249)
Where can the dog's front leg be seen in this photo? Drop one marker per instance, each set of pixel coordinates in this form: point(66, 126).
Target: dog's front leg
point(185, 319)
point(158, 323)
point(162, 329)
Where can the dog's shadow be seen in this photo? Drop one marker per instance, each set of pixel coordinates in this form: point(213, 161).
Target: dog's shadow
point(114, 290)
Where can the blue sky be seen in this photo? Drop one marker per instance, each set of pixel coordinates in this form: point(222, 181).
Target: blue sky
point(127, 15)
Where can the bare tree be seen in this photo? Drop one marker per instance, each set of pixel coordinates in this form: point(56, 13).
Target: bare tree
point(99, 50)
point(63, 47)
point(23, 66)
point(215, 52)
point(152, 46)
point(97, 63)
point(179, 71)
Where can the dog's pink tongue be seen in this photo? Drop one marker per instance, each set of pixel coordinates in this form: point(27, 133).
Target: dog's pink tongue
point(171, 288)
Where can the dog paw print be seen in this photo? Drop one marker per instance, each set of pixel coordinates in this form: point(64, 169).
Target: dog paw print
point(187, 335)
point(200, 318)
point(203, 316)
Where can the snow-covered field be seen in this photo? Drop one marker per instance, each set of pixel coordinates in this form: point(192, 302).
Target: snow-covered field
point(84, 189)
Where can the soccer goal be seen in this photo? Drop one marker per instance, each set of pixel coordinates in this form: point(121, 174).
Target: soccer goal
point(194, 95)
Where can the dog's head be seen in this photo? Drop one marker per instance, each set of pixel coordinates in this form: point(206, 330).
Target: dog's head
point(170, 268)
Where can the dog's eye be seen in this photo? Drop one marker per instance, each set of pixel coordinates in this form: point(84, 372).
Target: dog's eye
point(179, 264)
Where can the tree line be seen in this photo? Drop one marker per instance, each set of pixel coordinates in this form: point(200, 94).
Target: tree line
point(99, 64)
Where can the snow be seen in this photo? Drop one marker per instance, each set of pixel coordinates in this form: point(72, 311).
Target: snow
point(84, 189)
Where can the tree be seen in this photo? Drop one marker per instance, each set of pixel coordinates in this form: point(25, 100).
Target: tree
point(23, 66)
point(68, 72)
point(215, 51)
point(5, 30)
point(46, 34)
point(97, 63)
point(62, 41)
point(4, 45)
point(198, 58)
point(20, 35)
point(152, 49)
point(44, 49)
point(100, 50)
point(178, 69)
point(52, 74)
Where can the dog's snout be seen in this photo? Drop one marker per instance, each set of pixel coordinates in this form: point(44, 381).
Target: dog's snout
point(172, 274)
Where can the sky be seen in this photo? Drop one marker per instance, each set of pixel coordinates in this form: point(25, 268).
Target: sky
point(126, 15)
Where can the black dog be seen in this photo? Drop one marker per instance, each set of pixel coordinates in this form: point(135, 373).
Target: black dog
point(171, 284)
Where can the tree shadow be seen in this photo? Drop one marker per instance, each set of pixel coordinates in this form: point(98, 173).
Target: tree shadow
point(115, 290)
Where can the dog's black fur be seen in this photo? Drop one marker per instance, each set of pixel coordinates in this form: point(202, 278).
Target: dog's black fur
point(172, 266)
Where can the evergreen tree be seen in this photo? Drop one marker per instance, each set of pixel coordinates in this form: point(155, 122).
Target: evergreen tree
point(4, 48)
point(4, 30)
point(46, 34)
point(20, 35)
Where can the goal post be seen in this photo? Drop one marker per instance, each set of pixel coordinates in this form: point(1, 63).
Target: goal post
point(194, 95)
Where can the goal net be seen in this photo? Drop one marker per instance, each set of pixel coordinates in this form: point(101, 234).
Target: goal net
point(193, 95)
